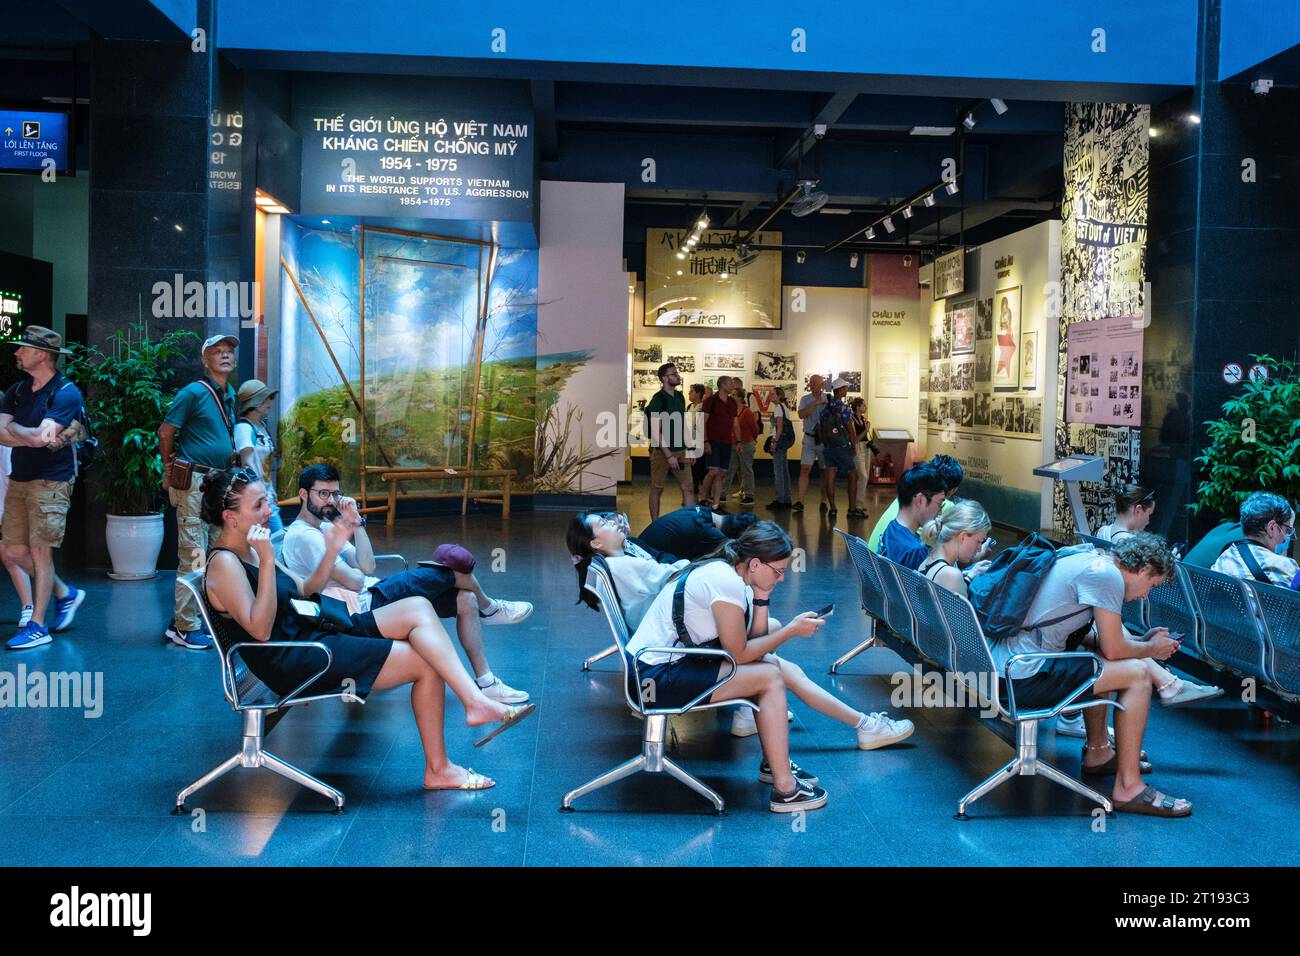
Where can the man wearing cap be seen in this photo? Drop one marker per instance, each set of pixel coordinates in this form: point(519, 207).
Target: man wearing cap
point(837, 436)
point(199, 427)
point(35, 415)
point(253, 441)
point(448, 582)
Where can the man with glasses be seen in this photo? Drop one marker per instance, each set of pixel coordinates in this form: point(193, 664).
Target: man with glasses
point(1268, 523)
point(198, 428)
point(448, 582)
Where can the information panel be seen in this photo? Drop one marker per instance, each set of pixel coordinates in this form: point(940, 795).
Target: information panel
point(1104, 384)
point(445, 164)
point(28, 138)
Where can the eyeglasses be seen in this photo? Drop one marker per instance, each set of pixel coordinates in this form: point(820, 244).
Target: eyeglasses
point(326, 494)
point(779, 572)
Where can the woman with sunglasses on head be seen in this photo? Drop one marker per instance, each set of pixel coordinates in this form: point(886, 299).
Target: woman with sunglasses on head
point(724, 600)
point(1134, 505)
point(402, 643)
point(638, 573)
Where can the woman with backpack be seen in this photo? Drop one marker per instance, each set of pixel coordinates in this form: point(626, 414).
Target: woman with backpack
point(782, 440)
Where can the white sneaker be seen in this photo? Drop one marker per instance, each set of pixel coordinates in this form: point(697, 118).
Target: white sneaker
point(25, 616)
point(882, 730)
point(503, 693)
point(507, 612)
point(1071, 725)
point(744, 725)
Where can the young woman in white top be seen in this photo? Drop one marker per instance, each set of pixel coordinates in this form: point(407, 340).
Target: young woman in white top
point(638, 576)
point(253, 440)
point(956, 538)
point(1134, 506)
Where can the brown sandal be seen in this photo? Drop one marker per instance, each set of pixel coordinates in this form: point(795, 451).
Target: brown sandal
point(1153, 803)
point(1111, 767)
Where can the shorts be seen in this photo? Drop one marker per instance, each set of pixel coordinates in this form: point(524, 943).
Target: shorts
point(1054, 680)
point(659, 470)
point(675, 683)
point(436, 584)
point(36, 512)
point(719, 455)
point(839, 458)
point(811, 450)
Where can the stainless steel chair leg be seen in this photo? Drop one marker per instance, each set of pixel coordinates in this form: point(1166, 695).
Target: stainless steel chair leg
point(635, 765)
point(869, 642)
point(992, 783)
point(1070, 783)
point(612, 649)
point(703, 789)
point(271, 762)
point(220, 770)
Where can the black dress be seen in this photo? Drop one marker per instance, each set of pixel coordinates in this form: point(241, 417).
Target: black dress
point(284, 668)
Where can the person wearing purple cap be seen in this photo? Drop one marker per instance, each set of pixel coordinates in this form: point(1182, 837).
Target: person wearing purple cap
point(447, 582)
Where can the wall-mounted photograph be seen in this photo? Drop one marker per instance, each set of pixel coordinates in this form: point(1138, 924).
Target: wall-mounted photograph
point(1006, 339)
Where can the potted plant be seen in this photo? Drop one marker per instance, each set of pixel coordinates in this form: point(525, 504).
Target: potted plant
point(127, 393)
point(1255, 446)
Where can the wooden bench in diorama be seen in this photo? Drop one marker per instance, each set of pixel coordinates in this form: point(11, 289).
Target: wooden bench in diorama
point(392, 476)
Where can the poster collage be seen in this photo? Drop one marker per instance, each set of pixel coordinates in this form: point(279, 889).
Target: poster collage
point(763, 371)
point(981, 366)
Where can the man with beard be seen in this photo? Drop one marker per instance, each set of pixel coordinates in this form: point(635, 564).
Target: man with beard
point(448, 582)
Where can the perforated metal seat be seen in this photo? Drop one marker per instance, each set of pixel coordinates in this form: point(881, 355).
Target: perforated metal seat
point(975, 669)
point(932, 637)
point(1171, 605)
point(652, 758)
point(1280, 610)
point(259, 706)
point(898, 613)
point(873, 595)
point(1233, 635)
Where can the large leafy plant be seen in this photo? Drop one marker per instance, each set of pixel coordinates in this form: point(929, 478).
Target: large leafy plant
point(127, 391)
point(1255, 446)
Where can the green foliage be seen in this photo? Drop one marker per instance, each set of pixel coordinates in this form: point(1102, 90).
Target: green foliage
point(1255, 446)
point(128, 391)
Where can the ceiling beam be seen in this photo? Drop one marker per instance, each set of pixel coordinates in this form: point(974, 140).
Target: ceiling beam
point(828, 115)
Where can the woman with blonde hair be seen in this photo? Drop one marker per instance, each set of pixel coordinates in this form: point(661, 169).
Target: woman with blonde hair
point(957, 537)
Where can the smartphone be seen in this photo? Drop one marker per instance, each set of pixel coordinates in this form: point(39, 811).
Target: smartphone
point(305, 608)
point(1174, 635)
point(827, 611)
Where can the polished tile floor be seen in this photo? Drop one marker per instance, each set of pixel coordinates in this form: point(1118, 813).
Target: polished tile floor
point(97, 791)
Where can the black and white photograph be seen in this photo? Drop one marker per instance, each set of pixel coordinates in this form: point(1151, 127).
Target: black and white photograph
point(648, 352)
point(997, 414)
point(966, 417)
point(854, 379)
point(684, 363)
point(645, 378)
point(776, 366)
point(963, 375)
point(725, 361)
point(984, 320)
point(981, 413)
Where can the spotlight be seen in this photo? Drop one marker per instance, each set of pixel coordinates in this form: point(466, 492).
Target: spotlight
point(871, 232)
point(1153, 132)
point(681, 255)
point(889, 225)
point(722, 275)
point(907, 212)
point(801, 257)
point(679, 271)
point(929, 199)
point(968, 121)
point(1194, 119)
point(703, 222)
point(853, 261)
point(952, 188)
point(1000, 106)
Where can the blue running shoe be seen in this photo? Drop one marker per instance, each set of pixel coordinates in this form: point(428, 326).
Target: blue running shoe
point(65, 608)
point(31, 635)
point(196, 640)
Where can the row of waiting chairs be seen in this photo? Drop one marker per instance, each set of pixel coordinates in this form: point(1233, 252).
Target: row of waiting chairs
point(1240, 626)
point(942, 627)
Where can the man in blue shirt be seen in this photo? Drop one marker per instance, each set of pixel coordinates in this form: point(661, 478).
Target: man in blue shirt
point(35, 415)
point(920, 496)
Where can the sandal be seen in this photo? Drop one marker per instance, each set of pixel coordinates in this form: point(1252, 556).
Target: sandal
point(1153, 803)
point(472, 781)
point(1142, 754)
point(513, 716)
point(1111, 767)
point(1188, 693)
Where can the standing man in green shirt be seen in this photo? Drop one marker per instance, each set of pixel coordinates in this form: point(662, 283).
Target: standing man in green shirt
point(666, 415)
point(199, 427)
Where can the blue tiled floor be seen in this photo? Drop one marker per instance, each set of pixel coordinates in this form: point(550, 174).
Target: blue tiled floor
point(98, 791)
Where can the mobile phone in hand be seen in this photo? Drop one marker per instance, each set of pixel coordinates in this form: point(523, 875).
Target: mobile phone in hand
point(827, 611)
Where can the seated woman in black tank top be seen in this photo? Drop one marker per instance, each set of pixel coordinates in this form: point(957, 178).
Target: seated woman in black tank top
point(401, 643)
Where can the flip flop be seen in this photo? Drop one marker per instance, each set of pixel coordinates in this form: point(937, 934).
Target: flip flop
point(1153, 803)
point(1111, 767)
point(513, 716)
point(1189, 693)
point(473, 781)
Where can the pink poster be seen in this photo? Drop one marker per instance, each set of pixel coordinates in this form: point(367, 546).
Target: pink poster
point(1104, 382)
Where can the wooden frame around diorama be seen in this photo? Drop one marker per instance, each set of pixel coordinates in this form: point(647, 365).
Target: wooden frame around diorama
point(480, 333)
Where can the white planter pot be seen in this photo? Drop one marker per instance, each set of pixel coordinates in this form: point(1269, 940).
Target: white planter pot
point(134, 542)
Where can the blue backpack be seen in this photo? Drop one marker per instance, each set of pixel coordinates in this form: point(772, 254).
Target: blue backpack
point(1003, 594)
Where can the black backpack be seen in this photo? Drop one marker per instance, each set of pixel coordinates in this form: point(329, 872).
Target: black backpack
point(83, 452)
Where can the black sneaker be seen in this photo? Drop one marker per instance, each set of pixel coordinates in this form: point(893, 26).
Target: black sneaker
point(822, 506)
point(747, 500)
point(803, 798)
point(720, 510)
point(797, 506)
point(831, 513)
point(800, 775)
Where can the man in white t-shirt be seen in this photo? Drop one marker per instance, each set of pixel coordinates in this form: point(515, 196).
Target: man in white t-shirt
point(810, 408)
point(1083, 589)
point(449, 584)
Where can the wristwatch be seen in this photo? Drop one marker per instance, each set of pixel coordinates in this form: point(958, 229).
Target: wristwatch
point(361, 521)
point(762, 602)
